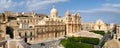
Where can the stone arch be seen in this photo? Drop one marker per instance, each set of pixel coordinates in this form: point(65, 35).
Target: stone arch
point(119, 39)
point(31, 35)
point(20, 34)
point(9, 30)
point(25, 34)
point(25, 38)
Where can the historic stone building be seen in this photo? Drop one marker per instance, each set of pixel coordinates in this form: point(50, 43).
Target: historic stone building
point(87, 26)
point(2, 30)
point(73, 23)
point(3, 18)
point(98, 25)
point(114, 43)
point(115, 33)
point(15, 14)
point(118, 31)
point(3, 21)
point(34, 27)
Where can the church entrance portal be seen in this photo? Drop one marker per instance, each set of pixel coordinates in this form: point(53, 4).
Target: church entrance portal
point(25, 39)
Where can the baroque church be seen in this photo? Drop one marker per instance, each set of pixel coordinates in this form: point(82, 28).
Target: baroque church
point(34, 27)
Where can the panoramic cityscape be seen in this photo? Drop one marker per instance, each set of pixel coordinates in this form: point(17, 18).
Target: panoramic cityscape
point(59, 24)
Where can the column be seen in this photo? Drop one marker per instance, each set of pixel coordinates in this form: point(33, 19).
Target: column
point(71, 28)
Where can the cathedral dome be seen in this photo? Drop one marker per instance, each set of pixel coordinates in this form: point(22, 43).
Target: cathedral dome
point(53, 12)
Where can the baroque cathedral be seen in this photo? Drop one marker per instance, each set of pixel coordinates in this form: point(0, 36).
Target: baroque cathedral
point(34, 27)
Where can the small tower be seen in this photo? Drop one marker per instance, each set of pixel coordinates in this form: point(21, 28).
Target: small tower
point(74, 17)
point(79, 17)
point(33, 13)
point(6, 15)
point(67, 16)
point(67, 13)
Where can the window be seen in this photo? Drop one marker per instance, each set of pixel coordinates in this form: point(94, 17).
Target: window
point(119, 39)
point(25, 34)
point(30, 33)
point(0, 35)
point(30, 27)
point(20, 34)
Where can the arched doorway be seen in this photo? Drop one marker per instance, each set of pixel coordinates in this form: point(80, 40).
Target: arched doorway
point(9, 30)
point(25, 38)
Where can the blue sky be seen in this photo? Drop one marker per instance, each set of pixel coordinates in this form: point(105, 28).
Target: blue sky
point(90, 10)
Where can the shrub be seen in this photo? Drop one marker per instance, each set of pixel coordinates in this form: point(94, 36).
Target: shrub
point(74, 39)
point(79, 42)
point(63, 42)
point(98, 32)
point(86, 45)
point(94, 41)
point(77, 45)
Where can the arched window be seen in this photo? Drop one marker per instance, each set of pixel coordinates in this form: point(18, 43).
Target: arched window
point(20, 34)
point(31, 38)
point(25, 34)
point(30, 33)
point(119, 39)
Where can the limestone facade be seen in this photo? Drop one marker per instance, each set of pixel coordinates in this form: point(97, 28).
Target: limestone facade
point(118, 31)
point(114, 43)
point(42, 27)
point(98, 25)
point(2, 30)
point(3, 20)
point(33, 27)
point(15, 14)
point(87, 26)
point(73, 23)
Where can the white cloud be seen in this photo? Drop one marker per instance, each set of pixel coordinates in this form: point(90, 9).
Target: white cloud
point(28, 5)
point(21, 3)
point(111, 5)
point(113, 8)
point(40, 4)
point(6, 4)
